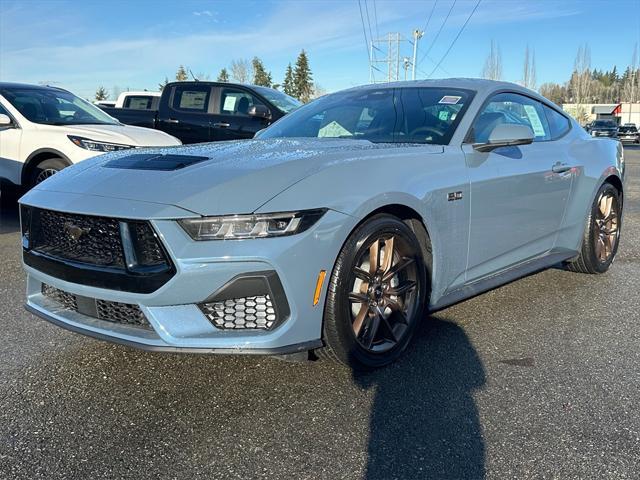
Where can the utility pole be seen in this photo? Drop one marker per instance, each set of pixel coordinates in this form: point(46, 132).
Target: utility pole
point(417, 35)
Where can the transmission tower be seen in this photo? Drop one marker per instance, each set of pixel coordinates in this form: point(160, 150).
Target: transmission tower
point(387, 57)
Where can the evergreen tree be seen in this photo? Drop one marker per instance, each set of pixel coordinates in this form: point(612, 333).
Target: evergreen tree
point(302, 79)
point(260, 75)
point(223, 76)
point(288, 86)
point(181, 74)
point(102, 94)
point(163, 84)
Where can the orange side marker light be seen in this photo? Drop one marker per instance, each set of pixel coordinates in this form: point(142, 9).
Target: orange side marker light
point(316, 295)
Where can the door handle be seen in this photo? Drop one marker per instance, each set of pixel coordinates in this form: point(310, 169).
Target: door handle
point(172, 120)
point(221, 125)
point(560, 167)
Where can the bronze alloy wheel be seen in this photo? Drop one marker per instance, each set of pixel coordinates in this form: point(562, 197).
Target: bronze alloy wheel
point(383, 296)
point(606, 222)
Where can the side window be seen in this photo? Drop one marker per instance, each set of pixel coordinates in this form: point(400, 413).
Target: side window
point(3, 111)
point(559, 125)
point(514, 109)
point(234, 101)
point(191, 98)
point(138, 102)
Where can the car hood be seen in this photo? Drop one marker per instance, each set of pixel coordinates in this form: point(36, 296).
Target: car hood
point(122, 134)
point(232, 177)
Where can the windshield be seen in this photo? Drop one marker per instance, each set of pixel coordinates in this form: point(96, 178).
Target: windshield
point(55, 107)
point(406, 115)
point(604, 124)
point(281, 100)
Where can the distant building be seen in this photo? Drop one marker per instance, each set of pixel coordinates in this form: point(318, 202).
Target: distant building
point(620, 113)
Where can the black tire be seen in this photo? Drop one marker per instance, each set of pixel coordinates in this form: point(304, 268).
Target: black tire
point(44, 170)
point(342, 343)
point(591, 259)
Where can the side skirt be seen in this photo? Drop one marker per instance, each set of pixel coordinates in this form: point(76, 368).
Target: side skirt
point(507, 276)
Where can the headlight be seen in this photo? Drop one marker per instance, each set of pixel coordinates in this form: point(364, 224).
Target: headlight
point(250, 226)
point(95, 146)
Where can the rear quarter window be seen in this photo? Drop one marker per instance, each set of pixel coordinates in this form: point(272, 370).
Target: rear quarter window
point(191, 99)
point(559, 125)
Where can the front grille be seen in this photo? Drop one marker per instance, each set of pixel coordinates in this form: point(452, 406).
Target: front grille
point(116, 312)
point(103, 252)
point(81, 238)
point(241, 313)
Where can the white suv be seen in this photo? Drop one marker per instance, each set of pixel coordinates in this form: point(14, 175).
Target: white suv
point(45, 129)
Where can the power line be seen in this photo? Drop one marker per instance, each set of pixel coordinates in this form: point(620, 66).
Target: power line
point(366, 8)
point(364, 31)
point(375, 18)
point(440, 30)
point(430, 15)
point(455, 39)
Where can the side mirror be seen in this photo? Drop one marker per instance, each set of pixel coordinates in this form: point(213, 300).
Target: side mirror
point(259, 111)
point(506, 135)
point(5, 120)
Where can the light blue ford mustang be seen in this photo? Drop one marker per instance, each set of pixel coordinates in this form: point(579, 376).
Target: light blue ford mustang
point(335, 231)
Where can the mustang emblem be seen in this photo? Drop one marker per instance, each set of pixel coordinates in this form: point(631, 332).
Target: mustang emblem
point(75, 232)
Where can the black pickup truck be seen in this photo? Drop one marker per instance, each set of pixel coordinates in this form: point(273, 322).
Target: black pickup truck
point(209, 111)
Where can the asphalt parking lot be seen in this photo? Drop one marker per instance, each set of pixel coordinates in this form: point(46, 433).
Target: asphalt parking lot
point(538, 379)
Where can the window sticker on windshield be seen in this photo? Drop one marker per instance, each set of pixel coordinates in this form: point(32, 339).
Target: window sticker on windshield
point(534, 119)
point(443, 115)
point(449, 99)
point(333, 130)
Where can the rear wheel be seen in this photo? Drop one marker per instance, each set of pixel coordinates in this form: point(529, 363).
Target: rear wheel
point(45, 169)
point(376, 295)
point(602, 233)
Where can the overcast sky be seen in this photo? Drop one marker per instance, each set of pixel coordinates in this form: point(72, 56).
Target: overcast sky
point(136, 44)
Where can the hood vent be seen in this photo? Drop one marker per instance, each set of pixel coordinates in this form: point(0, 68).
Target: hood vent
point(153, 161)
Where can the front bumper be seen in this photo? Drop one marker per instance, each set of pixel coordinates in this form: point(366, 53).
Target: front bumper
point(202, 269)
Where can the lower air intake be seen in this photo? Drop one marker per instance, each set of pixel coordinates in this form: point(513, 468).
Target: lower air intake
point(116, 312)
point(241, 313)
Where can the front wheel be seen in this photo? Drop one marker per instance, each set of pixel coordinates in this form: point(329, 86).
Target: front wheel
point(376, 294)
point(45, 169)
point(602, 233)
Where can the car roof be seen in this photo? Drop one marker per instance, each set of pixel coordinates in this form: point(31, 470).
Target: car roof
point(475, 84)
point(12, 85)
point(211, 82)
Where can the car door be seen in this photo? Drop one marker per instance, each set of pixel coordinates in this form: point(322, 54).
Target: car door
point(519, 193)
point(232, 120)
point(10, 138)
point(188, 113)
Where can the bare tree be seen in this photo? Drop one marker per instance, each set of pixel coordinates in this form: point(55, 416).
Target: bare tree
point(580, 82)
point(529, 74)
point(241, 70)
point(493, 64)
point(630, 85)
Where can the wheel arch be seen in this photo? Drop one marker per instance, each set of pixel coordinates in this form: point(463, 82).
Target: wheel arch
point(38, 156)
point(616, 182)
point(418, 225)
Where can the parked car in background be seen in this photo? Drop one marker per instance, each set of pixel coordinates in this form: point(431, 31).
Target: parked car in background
point(628, 133)
point(138, 100)
point(603, 128)
point(209, 111)
point(337, 229)
point(105, 103)
point(45, 129)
